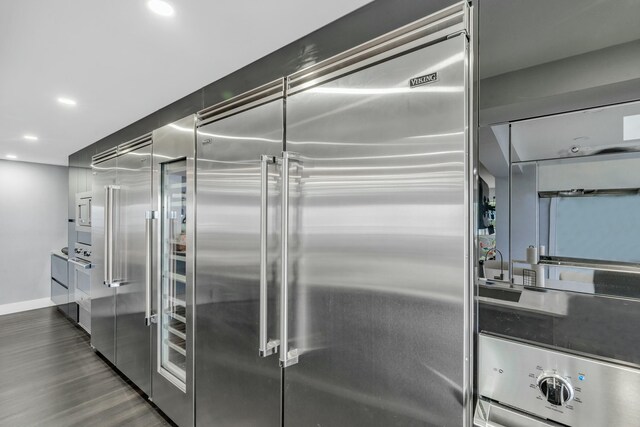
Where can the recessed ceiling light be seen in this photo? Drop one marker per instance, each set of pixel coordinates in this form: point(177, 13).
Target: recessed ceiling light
point(66, 101)
point(31, 137)
point(11, 156)
point(160, 7)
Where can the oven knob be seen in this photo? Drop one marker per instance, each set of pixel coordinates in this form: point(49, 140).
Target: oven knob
point(556, 389)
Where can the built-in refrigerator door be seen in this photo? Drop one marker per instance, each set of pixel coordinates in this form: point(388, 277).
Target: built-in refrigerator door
point(133, 336)
point(377, 329)
point(173, 269)
point(237, 385)
point(104, 189)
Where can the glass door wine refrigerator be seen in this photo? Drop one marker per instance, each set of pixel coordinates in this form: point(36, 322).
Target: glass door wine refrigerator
point(171, 259)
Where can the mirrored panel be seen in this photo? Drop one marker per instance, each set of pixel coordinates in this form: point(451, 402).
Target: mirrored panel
point(493, 203)
point(575, 201)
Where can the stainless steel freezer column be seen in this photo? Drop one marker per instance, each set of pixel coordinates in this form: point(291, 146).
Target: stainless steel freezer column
point(133, 337)
point(102, 297)
point(235, 386)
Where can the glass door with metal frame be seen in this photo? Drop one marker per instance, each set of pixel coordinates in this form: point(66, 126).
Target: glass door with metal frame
point(171, 269)
point(173, 351)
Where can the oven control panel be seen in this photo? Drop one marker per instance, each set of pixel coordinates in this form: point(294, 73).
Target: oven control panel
point(568, 389)
point(83, 251)
point(556, 389)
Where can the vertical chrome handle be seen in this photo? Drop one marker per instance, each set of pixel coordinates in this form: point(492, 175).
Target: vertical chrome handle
point(266, 347)
point(109, 244)
point(288, 356)
point(107, 234)
point(148, 277)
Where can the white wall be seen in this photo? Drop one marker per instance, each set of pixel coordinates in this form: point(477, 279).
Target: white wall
point(33, 222)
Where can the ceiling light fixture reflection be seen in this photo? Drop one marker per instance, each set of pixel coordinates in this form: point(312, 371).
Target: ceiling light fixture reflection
point(160, 7)
point(11, 156)
point(385, 91)
point(66, 101)
point(30, 137)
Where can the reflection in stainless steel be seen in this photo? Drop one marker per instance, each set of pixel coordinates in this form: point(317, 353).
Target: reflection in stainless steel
point(235, 385)
point(122, 193)
point(132, 335)
point(102, 298)
point(376, 247)
point(384, 91)
point(201, 132)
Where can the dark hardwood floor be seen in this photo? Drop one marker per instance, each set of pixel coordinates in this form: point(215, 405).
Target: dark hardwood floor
point(49, 376)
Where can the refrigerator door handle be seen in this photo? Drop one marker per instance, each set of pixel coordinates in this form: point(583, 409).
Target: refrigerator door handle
point(148, 277)
point(266, 346)
point(288, 357)
point(110, 240)
point(107, 234)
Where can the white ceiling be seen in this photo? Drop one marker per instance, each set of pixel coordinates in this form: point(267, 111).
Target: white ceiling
point(517, 34)
point(122, 62)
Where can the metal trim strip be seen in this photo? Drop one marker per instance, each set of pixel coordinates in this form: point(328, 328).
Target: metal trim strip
point(247, 100)
point(128, 146)
point(471, 195)
point(621, 267)
point(492, 414)
point(587, 192)
point(446, 22)
point(123, 148)
point(104, 156)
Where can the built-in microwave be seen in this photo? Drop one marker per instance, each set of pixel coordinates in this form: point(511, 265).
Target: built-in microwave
point(83, 211)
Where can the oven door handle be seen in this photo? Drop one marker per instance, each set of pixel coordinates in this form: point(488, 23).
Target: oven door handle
point(80, 263)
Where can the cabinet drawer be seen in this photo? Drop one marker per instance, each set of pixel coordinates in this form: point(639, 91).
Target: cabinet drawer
point(60, 295)
point(59, 270)
point(84, 319)
point(83, 279)
point(83, 300)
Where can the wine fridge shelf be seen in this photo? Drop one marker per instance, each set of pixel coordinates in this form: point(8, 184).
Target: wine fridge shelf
point(179, 347)
point(177, 315)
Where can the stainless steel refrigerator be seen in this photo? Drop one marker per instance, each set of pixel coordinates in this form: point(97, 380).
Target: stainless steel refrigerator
point(142, 282)
point(235, 386)
point(121, 196)
point(333, 240)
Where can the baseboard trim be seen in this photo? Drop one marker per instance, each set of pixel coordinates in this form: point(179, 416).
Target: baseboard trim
point(17, 307)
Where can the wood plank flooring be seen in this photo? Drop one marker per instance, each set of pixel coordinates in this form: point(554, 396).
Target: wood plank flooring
point(49, 376)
